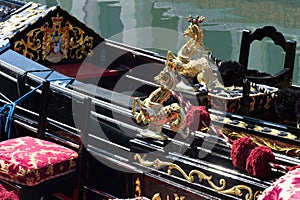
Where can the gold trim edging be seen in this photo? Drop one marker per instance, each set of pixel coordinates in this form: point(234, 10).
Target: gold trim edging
point(235, 190)
point(272, 144)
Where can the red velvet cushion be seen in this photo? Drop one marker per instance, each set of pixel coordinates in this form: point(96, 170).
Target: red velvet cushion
point(30, 161)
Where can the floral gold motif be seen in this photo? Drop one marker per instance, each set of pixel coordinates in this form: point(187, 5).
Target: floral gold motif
point(235, 190)
point(55, 41)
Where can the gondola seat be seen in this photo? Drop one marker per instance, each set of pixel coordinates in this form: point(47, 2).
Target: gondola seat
point(40, 163)
point(281, 79)
point(30, 161)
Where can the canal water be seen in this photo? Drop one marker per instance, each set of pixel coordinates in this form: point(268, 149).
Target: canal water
point(157, 25)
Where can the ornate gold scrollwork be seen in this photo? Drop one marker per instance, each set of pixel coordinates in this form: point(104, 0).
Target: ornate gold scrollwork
point(285, 148)
point(235, 190)
point(156, 196)
point(177, 197)
point(55, 42)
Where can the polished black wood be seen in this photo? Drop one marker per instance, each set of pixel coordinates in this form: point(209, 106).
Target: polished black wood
point(110, 170)
point(107, 168)
point(284, 77)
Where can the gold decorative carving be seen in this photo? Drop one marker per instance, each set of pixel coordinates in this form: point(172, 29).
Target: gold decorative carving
point(256, 127)
point(235, 190)
point(278, 146)
point(157, 196)
point(138, 191)
point(55, 41)
point(154, 113)
point(192, 59)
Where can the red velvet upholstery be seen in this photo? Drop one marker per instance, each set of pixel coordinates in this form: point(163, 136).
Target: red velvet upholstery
point(30, 161)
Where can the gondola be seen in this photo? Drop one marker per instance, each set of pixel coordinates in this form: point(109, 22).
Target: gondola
point(63, 83)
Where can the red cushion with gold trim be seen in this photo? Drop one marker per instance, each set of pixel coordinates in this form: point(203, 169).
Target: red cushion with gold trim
point(30, 161)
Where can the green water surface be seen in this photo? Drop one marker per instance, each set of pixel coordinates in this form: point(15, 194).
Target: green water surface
point(158, 25)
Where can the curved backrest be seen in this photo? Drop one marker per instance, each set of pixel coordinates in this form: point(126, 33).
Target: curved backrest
point(289, 46)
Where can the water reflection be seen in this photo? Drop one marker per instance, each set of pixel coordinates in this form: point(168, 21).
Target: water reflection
point(223, 27)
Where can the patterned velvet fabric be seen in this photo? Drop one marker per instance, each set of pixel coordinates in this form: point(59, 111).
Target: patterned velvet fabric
point(30, 161)
point(286, 187)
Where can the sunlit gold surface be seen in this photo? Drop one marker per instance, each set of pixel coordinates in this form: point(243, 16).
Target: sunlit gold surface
point(191, 60)
point(154, 113)
point(235, 190)
point(138, 191)
point(278, 146)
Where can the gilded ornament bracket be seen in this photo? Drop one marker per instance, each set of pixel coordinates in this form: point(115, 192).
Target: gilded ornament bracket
point(138, 191)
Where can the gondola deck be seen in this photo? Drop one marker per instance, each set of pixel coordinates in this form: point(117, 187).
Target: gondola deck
point(93, 85)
